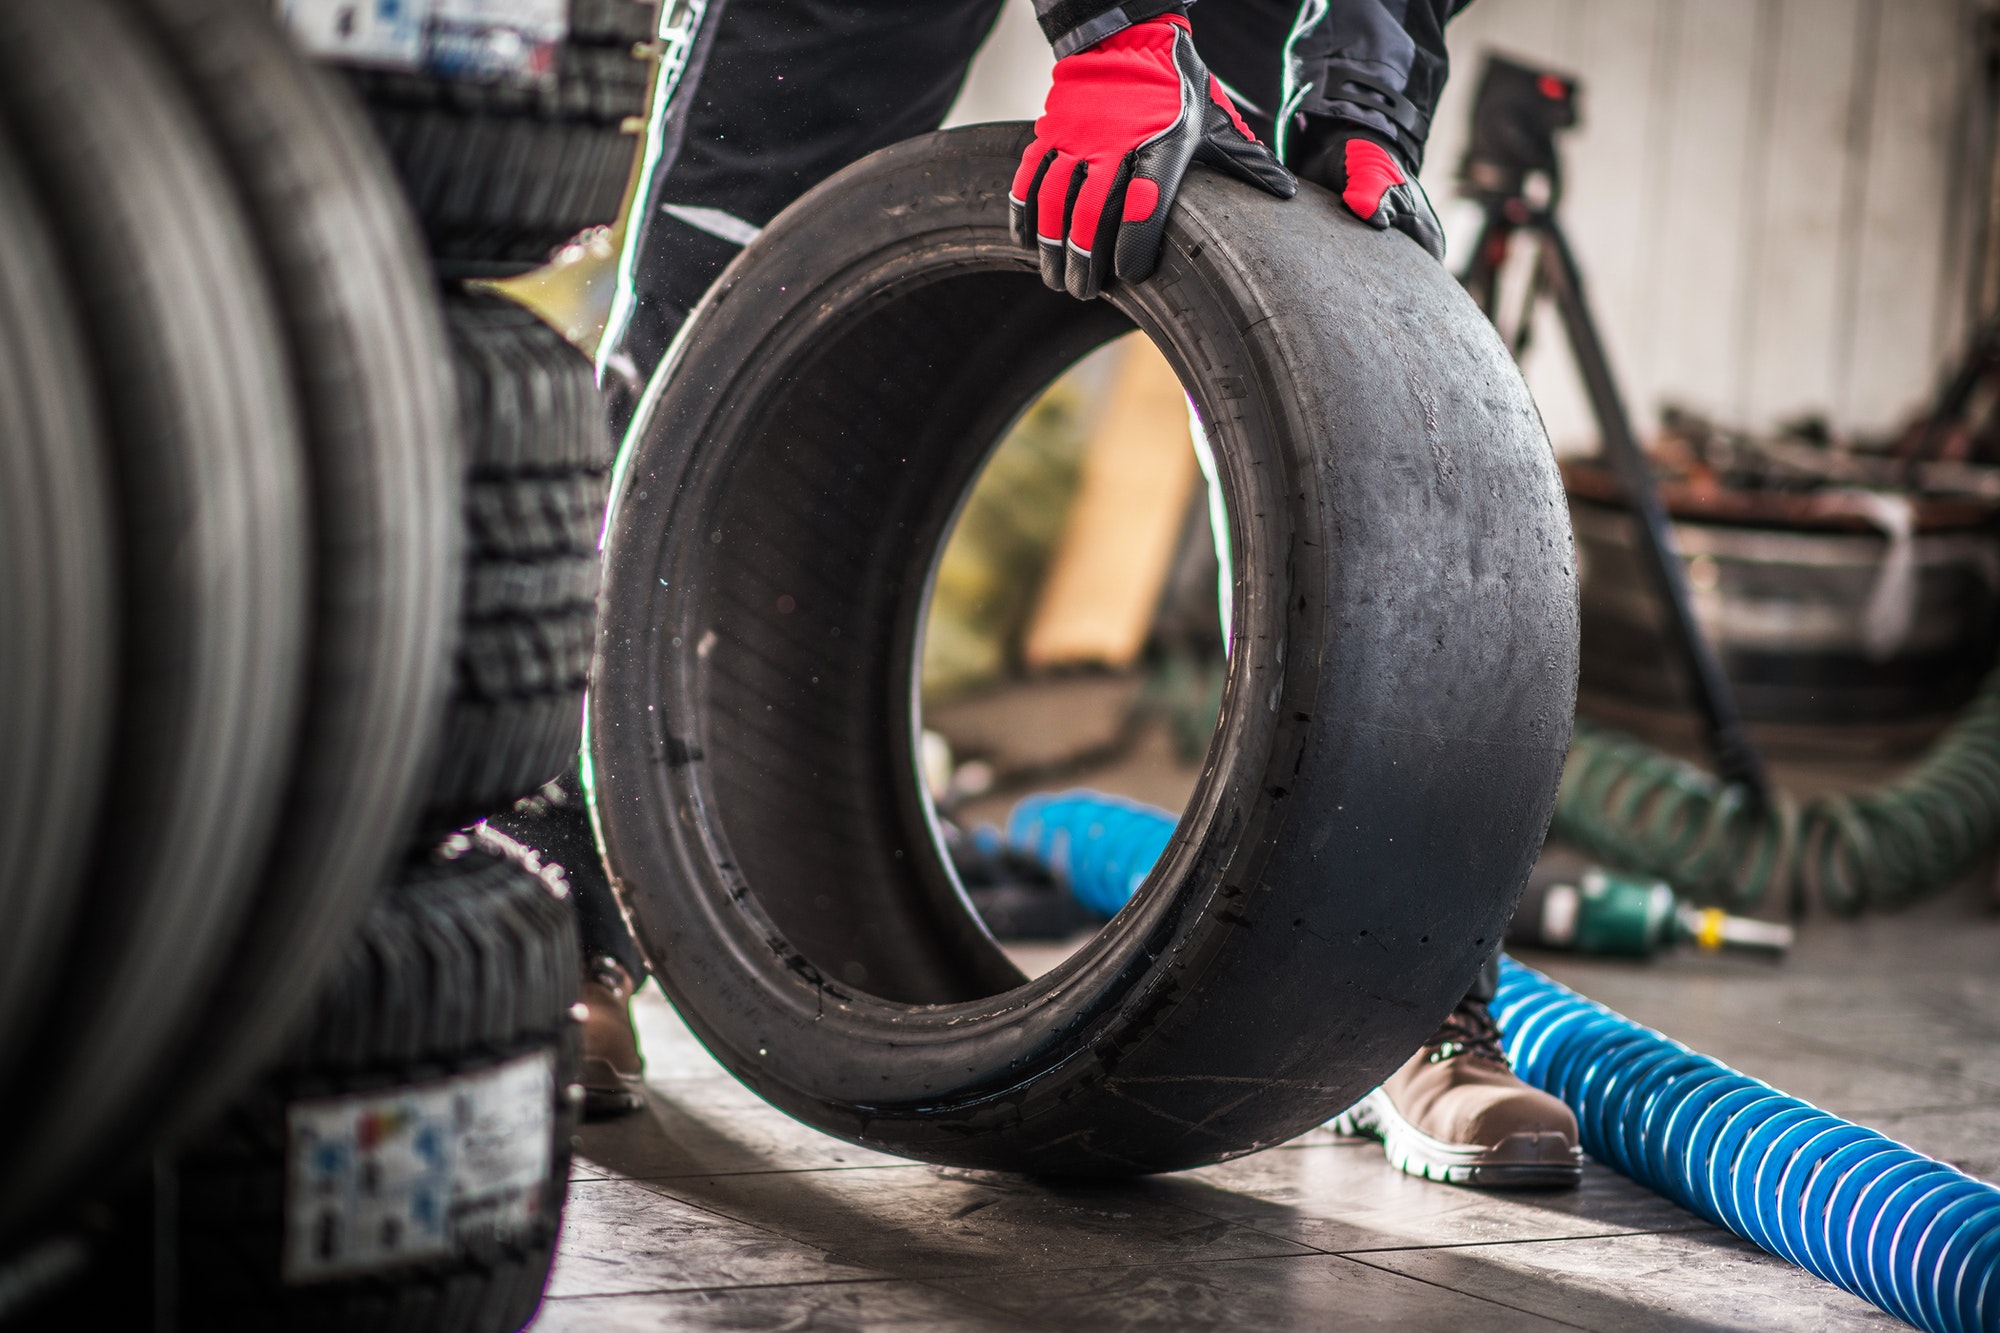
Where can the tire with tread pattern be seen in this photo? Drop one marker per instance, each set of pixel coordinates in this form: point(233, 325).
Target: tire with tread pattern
point(539, 454)
point(1395, 717)
point(467, 964)
point(505, 174)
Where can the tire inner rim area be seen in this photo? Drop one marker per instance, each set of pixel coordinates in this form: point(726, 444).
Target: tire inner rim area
point(824, 492)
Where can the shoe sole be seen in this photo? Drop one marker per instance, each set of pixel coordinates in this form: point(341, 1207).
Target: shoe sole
point(1519, 1161)
point(609, 1103)
point(608, 1093)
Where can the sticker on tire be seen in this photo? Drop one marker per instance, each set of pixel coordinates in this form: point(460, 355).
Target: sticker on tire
point(366, 32)
point(485, 41)
point(400, 1175)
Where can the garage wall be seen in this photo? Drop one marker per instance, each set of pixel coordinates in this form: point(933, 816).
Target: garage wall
point(1776, 202)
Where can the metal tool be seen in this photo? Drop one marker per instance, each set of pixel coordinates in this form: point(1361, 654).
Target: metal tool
point(1633, 916)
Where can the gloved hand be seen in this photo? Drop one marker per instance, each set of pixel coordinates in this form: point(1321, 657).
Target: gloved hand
point(1370, 179)
point(1123, 120)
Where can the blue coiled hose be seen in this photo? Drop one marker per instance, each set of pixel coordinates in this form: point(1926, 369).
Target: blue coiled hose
point(1917, 1237)
point(1102, 846)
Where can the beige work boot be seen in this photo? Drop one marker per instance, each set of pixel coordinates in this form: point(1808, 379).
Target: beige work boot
point(613, 1072)
point(1457, 1114)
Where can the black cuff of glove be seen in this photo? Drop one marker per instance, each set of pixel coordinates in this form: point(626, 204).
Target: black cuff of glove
point(1073, 25)
point(1342, 91)
point(1320, 131)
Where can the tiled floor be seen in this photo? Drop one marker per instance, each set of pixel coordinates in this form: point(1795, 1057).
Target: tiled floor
point(710, 1210)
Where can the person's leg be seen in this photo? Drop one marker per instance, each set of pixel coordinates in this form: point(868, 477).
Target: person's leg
point(791, 92)
point(555, 823)
point(553, 827)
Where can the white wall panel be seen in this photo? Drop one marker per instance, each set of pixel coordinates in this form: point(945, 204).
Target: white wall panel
point(1769, 198)
point(1904, 211)
point(1794, 312)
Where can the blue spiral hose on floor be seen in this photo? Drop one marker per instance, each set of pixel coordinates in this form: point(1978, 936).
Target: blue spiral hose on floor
point(1101, 846)
point(1917, 1237)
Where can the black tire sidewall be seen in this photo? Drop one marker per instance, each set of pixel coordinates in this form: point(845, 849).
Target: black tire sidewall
point(212, 491)
point(366, 350)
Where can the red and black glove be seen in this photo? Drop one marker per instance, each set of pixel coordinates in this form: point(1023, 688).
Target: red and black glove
point(1123, 120)
point(1369, 176)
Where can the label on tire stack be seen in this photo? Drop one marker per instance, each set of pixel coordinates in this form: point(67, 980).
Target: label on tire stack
point(403, 1174)
point(485, 41)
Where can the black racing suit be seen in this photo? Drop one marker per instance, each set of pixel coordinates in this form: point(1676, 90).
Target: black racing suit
point(787, 92)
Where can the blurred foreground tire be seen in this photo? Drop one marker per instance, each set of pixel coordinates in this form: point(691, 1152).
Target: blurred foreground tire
point(187, 351)
point(404, 1165)
point(1394, 721)
point(539, 454)
point(58, 626)
point(367, 356)
point(506, 174)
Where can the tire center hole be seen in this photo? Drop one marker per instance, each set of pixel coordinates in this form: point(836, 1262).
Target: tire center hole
point(1074, 640)
point(832, 639)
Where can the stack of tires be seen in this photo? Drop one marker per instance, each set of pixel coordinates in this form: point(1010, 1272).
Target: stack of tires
point(404, 1166)
point(502, 172)
point(232, 523)
point(458, 991)
point(300, 571)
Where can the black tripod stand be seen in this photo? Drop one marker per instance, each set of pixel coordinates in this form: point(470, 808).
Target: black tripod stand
point(1512, 170)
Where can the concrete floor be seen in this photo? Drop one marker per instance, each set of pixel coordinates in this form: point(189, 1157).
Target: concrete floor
point(711, 1210)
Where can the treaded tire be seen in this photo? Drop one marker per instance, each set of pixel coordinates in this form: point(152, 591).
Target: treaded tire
point(506, 174)
point(1394, 723)
point(57, 553)
point(211, 486)
point(367, 355)
point(539, 453)
point(467, 964)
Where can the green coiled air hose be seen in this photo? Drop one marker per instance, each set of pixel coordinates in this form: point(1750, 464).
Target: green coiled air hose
point(1629, 804)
